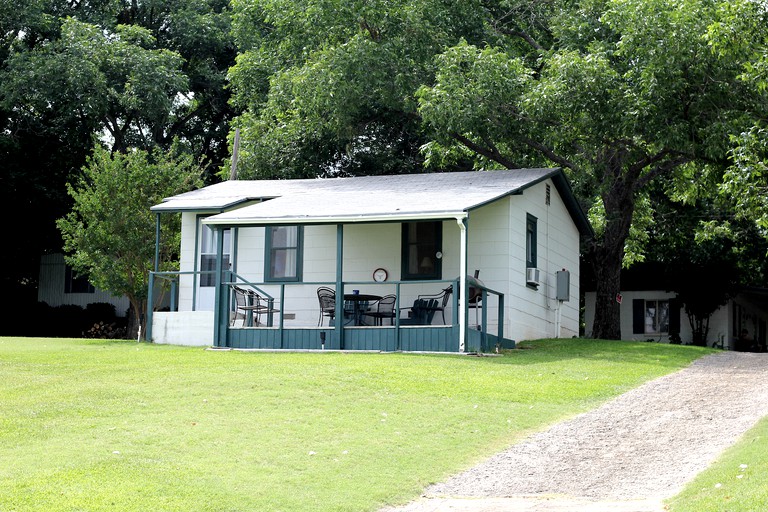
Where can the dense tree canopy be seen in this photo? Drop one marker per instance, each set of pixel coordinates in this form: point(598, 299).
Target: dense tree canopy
point(328, 87)
point(130, 74)
point(649, 105)
point(620, 93)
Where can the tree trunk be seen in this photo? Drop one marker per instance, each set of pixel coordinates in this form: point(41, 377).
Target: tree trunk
point(135, 317)
point(607, 324)
point(608, 253)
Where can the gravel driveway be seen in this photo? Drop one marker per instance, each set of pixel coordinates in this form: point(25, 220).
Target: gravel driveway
point(626, 456)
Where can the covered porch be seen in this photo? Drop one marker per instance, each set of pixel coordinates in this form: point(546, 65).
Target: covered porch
point(290, 314)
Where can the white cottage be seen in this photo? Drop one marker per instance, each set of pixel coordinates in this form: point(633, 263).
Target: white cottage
point(257, 257)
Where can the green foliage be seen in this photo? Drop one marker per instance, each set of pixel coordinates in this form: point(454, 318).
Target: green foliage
point(101, 79)
point(110, 232)
point(135, 427)
point(328, 86)
point(133, 74)
point(626, 93)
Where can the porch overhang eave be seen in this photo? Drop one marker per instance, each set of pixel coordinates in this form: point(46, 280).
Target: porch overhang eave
point(180, 206)
point(225, 220)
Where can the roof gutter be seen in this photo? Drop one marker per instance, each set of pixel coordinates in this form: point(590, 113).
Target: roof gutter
point(337, 219)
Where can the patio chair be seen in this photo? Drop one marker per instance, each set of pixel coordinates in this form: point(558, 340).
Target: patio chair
point(421, 313)
point(327, 298)
point(442, 299)
point(250, 302)
point(381, 309)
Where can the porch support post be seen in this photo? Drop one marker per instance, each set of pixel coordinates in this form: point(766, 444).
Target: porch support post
point(463, 292)
point(157, 242)
point(151, 283)
point(220, 303)
point(150, 301)
point(339, 315)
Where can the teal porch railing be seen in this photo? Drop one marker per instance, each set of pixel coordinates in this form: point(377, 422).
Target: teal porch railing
point(396, 337)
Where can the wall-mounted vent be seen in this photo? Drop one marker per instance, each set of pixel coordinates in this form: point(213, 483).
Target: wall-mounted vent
point(532, 276)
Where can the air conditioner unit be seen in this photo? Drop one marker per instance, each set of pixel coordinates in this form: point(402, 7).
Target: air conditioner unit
point(532, 276)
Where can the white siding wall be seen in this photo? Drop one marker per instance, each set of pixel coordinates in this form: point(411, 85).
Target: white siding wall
point(51, 288)
point(194, 328)
point(533, 313)
point(187, 260)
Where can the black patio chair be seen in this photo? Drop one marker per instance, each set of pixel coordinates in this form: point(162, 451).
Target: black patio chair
point(250, 302)
point(327, 298)
point(421, 313)
point(442, 300)
point(381, 309)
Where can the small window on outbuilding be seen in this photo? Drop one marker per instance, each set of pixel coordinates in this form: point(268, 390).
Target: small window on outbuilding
point(655, 317)
point(76, 284)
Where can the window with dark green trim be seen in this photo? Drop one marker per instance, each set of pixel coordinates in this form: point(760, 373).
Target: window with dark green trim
point(284, 253)
point(422, 250)
point(530, 241)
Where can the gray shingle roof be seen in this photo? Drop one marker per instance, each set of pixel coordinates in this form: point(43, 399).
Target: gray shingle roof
point(361, 199)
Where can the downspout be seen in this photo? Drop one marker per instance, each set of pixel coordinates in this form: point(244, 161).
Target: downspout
point(463, 292)
point(339, 315)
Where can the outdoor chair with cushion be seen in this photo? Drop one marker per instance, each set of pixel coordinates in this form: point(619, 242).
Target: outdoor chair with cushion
point(421, 313)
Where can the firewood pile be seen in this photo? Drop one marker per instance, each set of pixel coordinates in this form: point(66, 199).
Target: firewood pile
point(105, 330)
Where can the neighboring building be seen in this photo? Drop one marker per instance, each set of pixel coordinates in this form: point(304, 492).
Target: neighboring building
point(59, 286)
point(649, 313)
point(406, 235)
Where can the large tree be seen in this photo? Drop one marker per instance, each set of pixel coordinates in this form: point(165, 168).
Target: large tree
point(110, 233)
point(132, 74)
point(619, 93)
point(328, 87)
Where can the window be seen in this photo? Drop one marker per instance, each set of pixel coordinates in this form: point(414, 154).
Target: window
point(422, 250)
point(530, 241)
point(283, 253)
point(656, 316)
point(652, 317)
point(208, 254)
point(76, 284)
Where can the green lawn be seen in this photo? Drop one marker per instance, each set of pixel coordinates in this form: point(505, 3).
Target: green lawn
point(95, 425)
point(735, 482)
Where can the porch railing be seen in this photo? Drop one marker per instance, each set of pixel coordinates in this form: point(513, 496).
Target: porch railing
point(480, 339)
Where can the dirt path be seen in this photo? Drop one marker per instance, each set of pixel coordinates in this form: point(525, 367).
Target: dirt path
point(626, 456)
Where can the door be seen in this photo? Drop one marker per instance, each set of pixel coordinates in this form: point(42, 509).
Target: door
point(206, 284)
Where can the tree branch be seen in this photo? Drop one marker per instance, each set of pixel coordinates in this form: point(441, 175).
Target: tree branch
point(492, 153)
point(549, 153)
point(521, 34)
